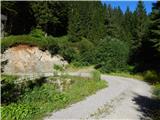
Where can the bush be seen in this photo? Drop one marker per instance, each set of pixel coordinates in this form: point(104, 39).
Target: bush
point(151, 76)
point(157, 90)
point(9, 90)
point(38, 33)
point(112, 55)
point(23, 39)
point(37, 38)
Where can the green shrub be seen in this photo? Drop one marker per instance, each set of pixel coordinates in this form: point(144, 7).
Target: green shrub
point(152, 77)
point(58, 68)
point(157, 90)
point(38, 33)
point(85, 48)
point(9, 90)
point(69, 53)
point(23, 39)
point(112, 55)
point(96, 75)
point(37, 38)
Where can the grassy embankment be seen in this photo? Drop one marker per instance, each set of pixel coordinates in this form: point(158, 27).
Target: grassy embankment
point(37, 100)
point(149, 76)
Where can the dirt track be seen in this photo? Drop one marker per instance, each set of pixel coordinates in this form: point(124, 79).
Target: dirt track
point(120, 100)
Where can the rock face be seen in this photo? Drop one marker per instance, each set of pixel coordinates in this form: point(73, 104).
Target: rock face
point(24, 59)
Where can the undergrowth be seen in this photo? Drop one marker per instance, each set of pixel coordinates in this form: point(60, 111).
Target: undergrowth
point(35, 103)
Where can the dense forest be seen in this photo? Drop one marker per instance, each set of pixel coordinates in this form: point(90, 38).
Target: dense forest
point(88, 33)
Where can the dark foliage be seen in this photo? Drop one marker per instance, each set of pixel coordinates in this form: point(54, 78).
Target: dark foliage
point(85, 25)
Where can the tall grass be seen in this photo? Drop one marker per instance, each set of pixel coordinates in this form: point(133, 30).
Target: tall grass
point(35, 103)
point(96, 75)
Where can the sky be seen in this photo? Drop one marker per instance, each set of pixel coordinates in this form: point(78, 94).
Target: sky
point(132, 4)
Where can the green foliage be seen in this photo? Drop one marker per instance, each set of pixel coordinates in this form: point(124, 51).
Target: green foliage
point(149, 54)
point(112, 55)
point(96, 75)
point(152, 77)
point(8, 78)
point(128, 75)
point(88, 24)
point(8, 88)
point(58, 68)
point(85, 48)
point(36, 102)
point(38, 33)
point(23, 39)
point(155, 26)
point(20, 19)
point(140, 23)
point(157, 90)
point(51, 16)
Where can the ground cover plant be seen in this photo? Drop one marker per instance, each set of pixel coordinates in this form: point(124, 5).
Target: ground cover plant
point(36, 102)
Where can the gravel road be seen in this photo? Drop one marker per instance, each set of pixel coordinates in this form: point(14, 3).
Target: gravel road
point(117, 101)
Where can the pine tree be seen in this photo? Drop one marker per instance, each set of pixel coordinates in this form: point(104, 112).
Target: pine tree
point(149, 53)
point(74, 22)
point(114, 23)
point(155, 25)
point(51, 16)
point(86, 19)
point(20, 19)
point(128, 25)
point(140, 23)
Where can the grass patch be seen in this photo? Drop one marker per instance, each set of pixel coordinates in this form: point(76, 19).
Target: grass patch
point(152, 77)
point(23, 39)
point(96, 75)
point(73, 68)
point(35, 103)
point(128, 75)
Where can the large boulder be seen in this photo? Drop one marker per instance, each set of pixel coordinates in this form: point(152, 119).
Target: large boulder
point(24, 59)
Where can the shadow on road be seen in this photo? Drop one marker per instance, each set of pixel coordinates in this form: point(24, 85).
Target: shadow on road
point(150, 107)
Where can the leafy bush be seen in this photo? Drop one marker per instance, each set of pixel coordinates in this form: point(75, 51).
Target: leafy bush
point(12, 88)
point(38, 33)
point(112, 55)
point(157, 90)
point(9, 90)
point(58, 68)
point(85, 47)
point(152, 77)
point(37, 38)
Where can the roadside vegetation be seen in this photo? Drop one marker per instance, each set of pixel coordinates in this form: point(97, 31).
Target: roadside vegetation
point(34, 101)
point(85, 33)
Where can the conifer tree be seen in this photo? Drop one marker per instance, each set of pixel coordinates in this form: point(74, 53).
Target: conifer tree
point(155, 25)
point(140, 21)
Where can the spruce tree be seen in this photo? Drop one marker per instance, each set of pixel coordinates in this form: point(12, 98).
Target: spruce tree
point(86, 19)
point(128, 25)
point(140, 21)
point(155, 25)
point(149, 53)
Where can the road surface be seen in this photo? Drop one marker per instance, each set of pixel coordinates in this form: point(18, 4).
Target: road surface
point(117, 101)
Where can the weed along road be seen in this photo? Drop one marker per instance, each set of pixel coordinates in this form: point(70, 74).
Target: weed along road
point(120, 100)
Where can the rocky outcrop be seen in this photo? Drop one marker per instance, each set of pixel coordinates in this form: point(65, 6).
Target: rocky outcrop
point(24, 59)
